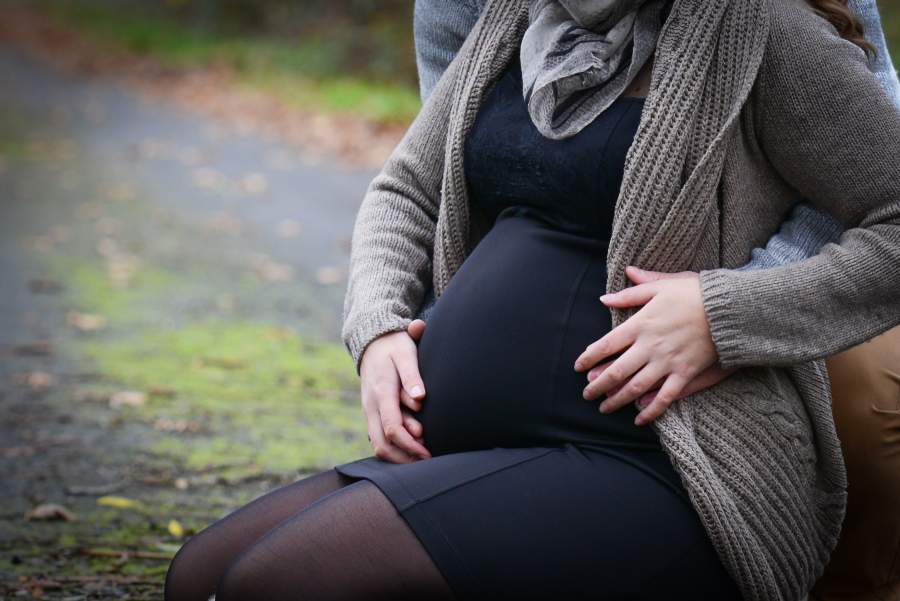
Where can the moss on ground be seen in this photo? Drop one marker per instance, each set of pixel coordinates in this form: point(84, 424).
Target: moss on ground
point(245, 393)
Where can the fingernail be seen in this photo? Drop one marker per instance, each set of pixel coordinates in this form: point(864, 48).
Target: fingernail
point(603, 407)
point(578, 365)
point(605, 298)
point(416, 390)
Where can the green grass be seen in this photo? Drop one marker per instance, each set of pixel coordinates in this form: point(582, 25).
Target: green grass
point(309, 71)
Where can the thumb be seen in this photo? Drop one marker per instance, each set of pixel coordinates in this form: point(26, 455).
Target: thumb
point(416, 328)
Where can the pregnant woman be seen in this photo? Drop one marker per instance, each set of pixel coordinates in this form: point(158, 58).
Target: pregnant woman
point(532, 178)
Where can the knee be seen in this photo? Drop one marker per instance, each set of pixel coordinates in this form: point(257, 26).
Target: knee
point(180, 584)
point(240, 582)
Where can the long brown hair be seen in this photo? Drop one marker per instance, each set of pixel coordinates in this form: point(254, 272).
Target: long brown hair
point(844, 20)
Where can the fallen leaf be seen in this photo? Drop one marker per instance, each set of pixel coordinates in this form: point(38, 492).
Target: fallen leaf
point(329, 275)
point(176, 529)
point(209, 179)
point(175, 425)
point(225, 223)
point(120, 192)
point(130, 398)
point(12, 452)
point(94, 490)
point(87, 395)
point(161, 391)
point(121, 268)
point(107, 247)
point(41, 348)
point(254, 183)
point(274, 272)
point(189, 156)
point(223, 362)
point(36, 380)
point(50, 511)
point(107, 226)
point(288, 228)
point(44, 286)
point(85, 322)
point(119, 502)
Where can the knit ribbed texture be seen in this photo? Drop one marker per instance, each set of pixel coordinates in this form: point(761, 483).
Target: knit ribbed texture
point(752, 102)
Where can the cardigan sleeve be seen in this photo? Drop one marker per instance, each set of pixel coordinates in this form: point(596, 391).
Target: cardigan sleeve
point(831, 131)
point(393, 234)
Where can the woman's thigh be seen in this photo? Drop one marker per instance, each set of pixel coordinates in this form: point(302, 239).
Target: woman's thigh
point(349, 545)
point(865, 383)
point(200, 563)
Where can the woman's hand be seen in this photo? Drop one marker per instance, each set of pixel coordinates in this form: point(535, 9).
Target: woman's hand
point(389, 376)
point(667, 341)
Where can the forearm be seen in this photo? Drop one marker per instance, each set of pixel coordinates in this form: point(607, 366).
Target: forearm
point(802, 235)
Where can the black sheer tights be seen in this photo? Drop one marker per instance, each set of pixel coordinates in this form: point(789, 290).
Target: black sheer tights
point(326, 537)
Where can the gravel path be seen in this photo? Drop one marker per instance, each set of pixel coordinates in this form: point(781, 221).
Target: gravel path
point(169, 328)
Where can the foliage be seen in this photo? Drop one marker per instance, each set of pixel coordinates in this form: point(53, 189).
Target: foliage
point(342, 57)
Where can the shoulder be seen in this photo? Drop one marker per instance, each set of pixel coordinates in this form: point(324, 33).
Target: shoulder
point(801, 37)
point(438, 10)
point(808, 64)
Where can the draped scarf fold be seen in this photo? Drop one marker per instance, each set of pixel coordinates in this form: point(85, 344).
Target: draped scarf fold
point(578, 56)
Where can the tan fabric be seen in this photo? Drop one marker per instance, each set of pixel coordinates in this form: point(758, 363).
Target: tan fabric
point(753, 104)
point(865, 381)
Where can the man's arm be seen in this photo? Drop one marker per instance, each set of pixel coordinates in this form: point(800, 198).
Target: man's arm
point(439, 28)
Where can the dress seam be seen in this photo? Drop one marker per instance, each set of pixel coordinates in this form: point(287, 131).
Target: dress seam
point(547, 451)
point(573, 293)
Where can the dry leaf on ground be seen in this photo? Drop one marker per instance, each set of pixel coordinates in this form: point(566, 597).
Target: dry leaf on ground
point(50, 511)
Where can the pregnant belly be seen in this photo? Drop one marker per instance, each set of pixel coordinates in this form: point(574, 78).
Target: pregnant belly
point(497, 353)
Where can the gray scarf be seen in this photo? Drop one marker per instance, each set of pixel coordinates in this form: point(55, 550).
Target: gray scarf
point(577, 57)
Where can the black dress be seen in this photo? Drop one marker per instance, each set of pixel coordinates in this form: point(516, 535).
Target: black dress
point(531, 492)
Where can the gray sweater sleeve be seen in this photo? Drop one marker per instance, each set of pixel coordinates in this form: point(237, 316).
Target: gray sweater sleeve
point(808, 229)
point(826, 124)
point(394, 231)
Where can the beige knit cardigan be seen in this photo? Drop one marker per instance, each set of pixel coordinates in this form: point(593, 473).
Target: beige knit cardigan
point(753, 105)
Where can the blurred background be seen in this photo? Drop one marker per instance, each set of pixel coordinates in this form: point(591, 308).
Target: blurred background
point(178, 184)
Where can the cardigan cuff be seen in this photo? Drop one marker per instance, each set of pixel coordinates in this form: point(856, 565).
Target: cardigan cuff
point(357, 338)
point(720, 315)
